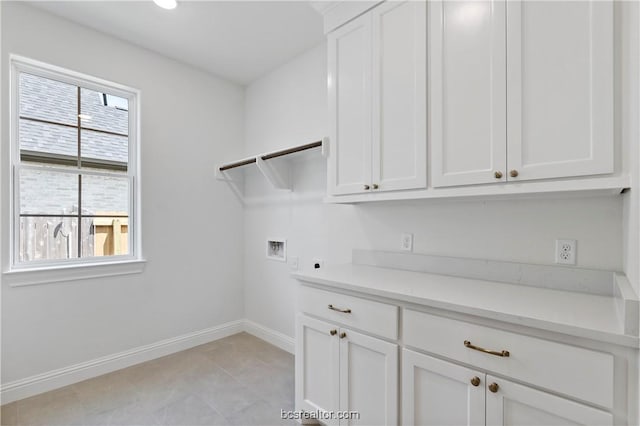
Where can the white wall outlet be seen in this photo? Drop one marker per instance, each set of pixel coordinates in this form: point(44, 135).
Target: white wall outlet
point(317, 263)
point(406, 242)
point(293, 263)
point(566, 252)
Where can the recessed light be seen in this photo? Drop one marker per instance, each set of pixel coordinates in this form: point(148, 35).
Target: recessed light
point(166, 4)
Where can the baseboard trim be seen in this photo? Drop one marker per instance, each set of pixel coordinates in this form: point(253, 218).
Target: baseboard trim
point(272, 336)
point(51, 380)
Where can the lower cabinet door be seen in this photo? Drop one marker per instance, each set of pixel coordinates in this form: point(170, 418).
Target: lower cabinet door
point(436, 392)
point(317, 366)
point(368, 379)
point(509, 403)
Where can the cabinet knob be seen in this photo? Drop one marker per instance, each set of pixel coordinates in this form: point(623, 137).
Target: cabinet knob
point(513, 173)
point(375, 186)
point(498, 175)
point(475, 381)
point(493, 387)
point(343, 335)
point(333, 332)
point(367, 187)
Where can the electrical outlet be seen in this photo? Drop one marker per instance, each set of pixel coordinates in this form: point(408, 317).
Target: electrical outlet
point(566, 252)
point(317, 263)
point(406, 242)
point(293, 263)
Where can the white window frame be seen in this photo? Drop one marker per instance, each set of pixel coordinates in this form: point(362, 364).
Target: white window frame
point(44, 271)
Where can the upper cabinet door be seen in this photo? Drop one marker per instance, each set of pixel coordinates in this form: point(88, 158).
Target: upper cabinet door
point(559, 88)
point(349, 80)
point(399, 96)
point(467, 92)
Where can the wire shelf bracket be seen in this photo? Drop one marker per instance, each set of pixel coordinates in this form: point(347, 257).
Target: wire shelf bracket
point(277, 173)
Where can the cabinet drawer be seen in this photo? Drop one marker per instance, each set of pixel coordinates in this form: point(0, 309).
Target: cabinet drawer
point(366, 315)
point(577, 372)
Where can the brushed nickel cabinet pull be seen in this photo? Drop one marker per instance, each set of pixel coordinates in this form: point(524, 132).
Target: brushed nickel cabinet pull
point(475, 381)
point(343, 335)
point(486, 351)
point(344, 311)
point(333, 332)
point(493, 387)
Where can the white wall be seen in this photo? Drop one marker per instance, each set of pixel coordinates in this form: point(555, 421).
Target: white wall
point(194, 230)
point(288, 106)
point(191, 224)
point(630, 123)
point(629, 74)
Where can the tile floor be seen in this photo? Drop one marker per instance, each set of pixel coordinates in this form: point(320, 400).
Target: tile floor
point(238, 380)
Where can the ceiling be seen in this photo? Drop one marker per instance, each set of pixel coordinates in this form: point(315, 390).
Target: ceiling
point(237, 40)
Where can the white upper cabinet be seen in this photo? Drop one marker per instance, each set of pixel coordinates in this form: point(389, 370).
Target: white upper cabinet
point(520, 90)
point(350, 99)
point(467, 92)
point(399, 96)
point(559, 88)
point(502, 91)
point(377, 101)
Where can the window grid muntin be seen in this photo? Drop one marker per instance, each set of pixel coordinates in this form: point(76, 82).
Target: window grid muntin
point(24, 65)
point(73, 126)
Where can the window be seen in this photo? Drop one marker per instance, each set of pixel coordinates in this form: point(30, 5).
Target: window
point(74, 168)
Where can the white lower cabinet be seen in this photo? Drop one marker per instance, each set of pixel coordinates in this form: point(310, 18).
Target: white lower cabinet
point(368, 379)
point(339, 370)
point(453, 371)
point(317, 366)
point(514, 404)
point(437, 392)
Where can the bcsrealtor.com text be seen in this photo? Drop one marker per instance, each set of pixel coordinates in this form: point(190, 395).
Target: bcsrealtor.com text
point(319, 415)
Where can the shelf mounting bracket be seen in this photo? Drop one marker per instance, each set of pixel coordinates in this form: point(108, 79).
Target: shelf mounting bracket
point(278, 174)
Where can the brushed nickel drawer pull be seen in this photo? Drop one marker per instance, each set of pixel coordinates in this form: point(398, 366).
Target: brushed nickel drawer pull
point(344, 311)
point(486, 351)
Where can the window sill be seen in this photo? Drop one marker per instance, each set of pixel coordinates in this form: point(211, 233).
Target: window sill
point(24, 277)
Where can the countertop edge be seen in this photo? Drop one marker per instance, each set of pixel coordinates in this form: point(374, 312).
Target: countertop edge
point(587, 333)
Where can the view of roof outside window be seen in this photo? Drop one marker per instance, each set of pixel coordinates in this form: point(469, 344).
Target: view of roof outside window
point(73, 184)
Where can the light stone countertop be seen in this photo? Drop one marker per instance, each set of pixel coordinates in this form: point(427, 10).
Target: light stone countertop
point(578, 314)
